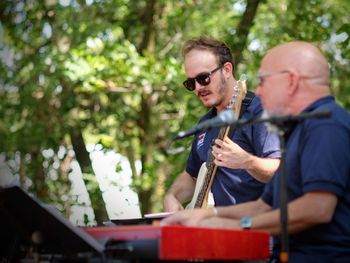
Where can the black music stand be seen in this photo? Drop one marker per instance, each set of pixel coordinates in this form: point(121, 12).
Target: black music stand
point(26, 223)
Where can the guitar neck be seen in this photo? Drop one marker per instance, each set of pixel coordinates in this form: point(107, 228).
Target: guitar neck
point(212, 167)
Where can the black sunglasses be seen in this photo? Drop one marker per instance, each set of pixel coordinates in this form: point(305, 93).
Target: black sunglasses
point(202, 79)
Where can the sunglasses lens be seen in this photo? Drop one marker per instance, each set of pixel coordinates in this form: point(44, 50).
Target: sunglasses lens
point(189, 84)
point(203, 79)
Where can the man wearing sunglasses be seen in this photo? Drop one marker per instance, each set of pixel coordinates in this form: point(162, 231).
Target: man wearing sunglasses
point(251, 154)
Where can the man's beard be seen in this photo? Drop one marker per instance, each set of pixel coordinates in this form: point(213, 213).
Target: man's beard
point(221, 91)
point(275, 112)
point(270, 127)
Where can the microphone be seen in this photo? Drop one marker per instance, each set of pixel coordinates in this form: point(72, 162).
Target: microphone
point(224, 118)
point(227, 118)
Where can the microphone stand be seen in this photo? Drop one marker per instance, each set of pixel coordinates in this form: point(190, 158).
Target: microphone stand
point(282, 129)
point(284, 254)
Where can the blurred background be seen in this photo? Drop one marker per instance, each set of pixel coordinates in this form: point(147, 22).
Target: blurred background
point(91, 90)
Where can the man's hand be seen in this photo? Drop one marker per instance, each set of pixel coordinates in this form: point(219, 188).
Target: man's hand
point(189, 217)
point(171, 204)
point(179, 193)
point(229, 154)
point(219, 222)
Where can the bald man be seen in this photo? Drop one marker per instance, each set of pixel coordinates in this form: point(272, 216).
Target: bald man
point(294, 79)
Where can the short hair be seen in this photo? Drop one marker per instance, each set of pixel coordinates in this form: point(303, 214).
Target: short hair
point(218, 48)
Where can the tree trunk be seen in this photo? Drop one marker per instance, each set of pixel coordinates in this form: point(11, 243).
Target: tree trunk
point(239, 42)
point(39, 182)
point(84, 161)
point(147, 159)
point(145, 198)
point(148, 21)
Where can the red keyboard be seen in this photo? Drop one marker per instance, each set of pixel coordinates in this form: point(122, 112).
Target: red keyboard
point(183, 243)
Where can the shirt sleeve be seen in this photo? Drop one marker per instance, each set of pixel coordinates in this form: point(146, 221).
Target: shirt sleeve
point(261, 141)
point(325, 159)
point(266, 143)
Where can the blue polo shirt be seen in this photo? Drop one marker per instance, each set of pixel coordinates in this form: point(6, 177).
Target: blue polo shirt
point(318, 159)
point(233, 186)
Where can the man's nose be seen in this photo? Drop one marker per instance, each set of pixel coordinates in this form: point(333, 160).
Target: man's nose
point(258, 90)
point(198, 86)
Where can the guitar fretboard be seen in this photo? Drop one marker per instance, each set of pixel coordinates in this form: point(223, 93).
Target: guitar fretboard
point(212, 167)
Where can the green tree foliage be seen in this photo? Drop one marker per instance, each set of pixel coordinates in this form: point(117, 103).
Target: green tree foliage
point(110, 72)
point(323, 23)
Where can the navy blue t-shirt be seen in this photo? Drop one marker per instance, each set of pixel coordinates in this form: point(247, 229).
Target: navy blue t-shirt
point(233, 186)
point(318, 159)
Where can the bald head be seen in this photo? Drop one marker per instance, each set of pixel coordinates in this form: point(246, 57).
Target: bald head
point(302, 57)
point(293, 76)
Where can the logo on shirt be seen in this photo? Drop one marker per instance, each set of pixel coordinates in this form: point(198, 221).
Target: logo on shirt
point(200, 141)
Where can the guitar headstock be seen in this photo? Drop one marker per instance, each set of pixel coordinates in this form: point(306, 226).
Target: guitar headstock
point(240, 93)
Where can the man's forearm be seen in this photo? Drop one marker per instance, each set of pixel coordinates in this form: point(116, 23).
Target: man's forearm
point(182, 188)
point(262, 169)
point(311, 209)
point(245, 209)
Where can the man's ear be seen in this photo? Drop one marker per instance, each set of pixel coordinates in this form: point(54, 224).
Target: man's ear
point(293, 81)
point(228, 69)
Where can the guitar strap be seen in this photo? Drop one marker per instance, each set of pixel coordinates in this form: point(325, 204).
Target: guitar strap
point(245, 103)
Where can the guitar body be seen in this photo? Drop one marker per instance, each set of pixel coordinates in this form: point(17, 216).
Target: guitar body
point(199, 186)
point(202, 196)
